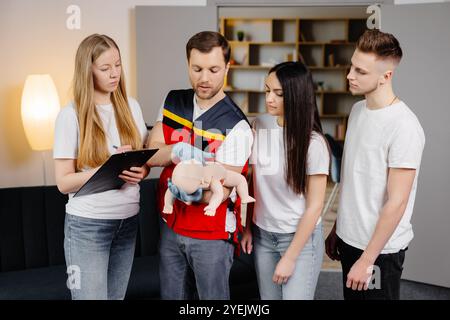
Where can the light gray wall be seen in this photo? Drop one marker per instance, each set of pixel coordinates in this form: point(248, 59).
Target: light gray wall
point(161, 37)
point(422, 81)
point(162, 34)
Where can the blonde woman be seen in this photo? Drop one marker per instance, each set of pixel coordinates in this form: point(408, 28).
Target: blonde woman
point(100, 229)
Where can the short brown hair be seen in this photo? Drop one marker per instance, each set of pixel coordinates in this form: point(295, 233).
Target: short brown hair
point(205, 41)
point(383, 45)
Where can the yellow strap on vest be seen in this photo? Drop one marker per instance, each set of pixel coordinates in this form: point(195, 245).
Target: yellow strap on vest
point(176, 118)
point(188, 124)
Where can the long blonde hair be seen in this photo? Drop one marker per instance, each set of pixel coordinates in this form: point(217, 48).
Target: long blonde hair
point(92, 148)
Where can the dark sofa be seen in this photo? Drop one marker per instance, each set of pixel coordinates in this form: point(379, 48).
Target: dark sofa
point(32, 262)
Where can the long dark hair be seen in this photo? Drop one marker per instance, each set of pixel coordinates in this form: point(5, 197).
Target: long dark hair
point(301, 118)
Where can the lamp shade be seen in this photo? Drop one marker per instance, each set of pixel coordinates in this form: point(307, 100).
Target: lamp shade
point(40, 106)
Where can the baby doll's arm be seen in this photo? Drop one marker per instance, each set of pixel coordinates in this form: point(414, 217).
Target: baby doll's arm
point(234, 179)
point(216, 197)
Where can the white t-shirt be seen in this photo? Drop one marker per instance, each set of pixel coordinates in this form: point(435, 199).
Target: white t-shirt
point(112, 204)
point(278, 208)
point(234, 151)
point(376, 140)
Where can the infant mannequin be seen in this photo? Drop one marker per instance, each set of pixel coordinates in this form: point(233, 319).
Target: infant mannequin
point(191, 175)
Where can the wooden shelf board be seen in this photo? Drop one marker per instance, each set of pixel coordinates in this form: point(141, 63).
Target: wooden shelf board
point(328, 19)
point(310, 43)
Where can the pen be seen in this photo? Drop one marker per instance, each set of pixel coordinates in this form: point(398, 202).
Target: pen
point(115, 147)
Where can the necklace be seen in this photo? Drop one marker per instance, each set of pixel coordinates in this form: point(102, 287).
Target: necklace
point(392, 101)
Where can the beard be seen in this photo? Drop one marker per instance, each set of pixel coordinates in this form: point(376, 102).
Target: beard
point(206, 95)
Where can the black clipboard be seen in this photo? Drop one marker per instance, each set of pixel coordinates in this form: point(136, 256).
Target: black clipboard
point(107, 177)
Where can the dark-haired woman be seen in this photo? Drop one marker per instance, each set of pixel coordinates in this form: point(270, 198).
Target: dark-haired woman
point(290, 162)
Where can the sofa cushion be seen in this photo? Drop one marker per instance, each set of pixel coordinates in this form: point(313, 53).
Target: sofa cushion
point(31, 227)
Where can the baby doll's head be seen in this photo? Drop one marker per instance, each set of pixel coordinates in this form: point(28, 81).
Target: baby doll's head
point(188, 175)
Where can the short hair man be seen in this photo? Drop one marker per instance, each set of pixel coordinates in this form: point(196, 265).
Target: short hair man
point(380, 166)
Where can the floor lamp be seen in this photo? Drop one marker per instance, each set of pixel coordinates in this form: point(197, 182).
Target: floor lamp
point(40, 106)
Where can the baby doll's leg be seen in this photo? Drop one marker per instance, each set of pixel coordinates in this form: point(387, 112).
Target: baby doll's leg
point(168, 202)
point(237, 180)
point(216, 197)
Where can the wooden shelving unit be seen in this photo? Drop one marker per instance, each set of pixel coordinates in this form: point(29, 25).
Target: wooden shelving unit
point(325, 45)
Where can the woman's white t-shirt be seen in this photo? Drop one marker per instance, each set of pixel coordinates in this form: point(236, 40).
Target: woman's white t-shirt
point(278, 208)
point(113, 204)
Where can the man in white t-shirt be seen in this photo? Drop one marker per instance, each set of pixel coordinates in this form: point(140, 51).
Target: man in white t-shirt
point(196, 250)
point(380, 166)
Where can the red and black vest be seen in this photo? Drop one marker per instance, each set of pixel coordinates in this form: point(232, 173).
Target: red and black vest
point(207, 133)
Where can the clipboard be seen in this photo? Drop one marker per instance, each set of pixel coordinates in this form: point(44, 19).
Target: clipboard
point(107, 176)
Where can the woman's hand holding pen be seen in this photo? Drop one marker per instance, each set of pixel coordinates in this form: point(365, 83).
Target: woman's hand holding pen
point(135, 174)
point(124, 148)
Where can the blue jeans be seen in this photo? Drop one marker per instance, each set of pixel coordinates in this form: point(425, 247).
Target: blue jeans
point(187, 264)
point(268, 250)
point(99, 255)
